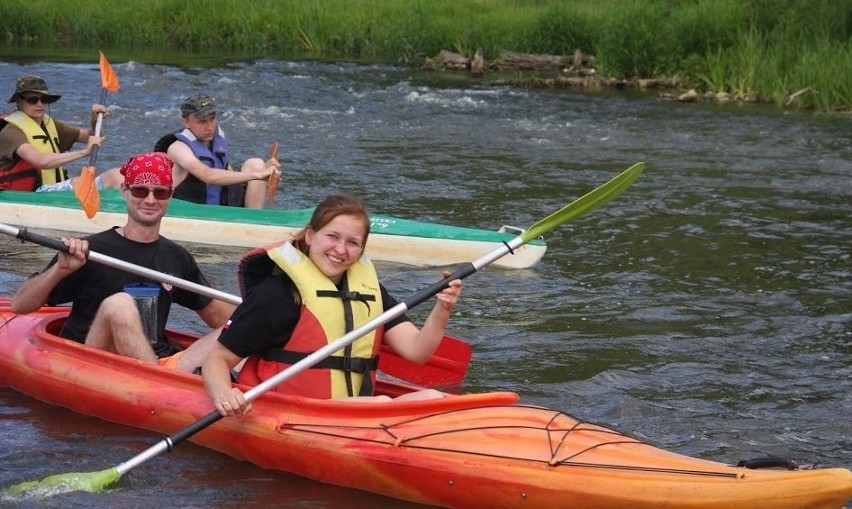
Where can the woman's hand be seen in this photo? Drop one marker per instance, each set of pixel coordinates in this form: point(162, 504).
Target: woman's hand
point(232, 402)
point(449, 296)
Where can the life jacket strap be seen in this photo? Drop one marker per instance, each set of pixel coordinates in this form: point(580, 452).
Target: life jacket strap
point(347, 364)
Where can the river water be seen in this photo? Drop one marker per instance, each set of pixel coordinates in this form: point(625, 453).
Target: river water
point(708, 310)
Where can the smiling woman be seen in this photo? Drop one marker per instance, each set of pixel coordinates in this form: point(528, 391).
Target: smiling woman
point(307, 292)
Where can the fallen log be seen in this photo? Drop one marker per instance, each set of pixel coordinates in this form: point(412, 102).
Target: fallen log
point(528, 61)
point(579, 63)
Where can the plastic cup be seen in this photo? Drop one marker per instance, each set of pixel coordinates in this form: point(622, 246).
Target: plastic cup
point(146, 296)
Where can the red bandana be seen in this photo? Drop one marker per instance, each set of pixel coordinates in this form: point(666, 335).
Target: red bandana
point(152, 168)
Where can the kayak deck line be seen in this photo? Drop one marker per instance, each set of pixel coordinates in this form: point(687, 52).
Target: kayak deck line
point(391, 239)
point(410, 441)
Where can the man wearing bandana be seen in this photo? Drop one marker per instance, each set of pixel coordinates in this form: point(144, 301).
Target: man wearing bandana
point(103, 315)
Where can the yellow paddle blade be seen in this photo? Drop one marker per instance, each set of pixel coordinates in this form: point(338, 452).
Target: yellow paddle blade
point(272, 182)
point(92, 482)
point(109, 80)
point(87, 193)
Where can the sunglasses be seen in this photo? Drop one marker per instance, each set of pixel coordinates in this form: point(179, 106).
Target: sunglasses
point(160, 193)
point(34, 99)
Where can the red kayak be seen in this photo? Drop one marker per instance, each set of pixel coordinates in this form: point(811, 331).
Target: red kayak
point(474, 450)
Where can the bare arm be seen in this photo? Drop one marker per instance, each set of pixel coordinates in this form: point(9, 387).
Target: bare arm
point(417, 345)
point(34, 292)
point(216, 372)
point(216, 313)
point(41, 160)
point(182, 155)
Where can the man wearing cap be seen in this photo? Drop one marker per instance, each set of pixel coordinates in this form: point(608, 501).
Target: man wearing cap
point(203, 171)
point(103, 315)
point(35, 147)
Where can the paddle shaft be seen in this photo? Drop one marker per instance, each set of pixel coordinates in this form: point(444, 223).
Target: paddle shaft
point(424, 294)
point(86, 188)
point(167, 443)
point(584, 204)
point(24, 235)
point(98, 124)
point(272, 180)
point(438, 371)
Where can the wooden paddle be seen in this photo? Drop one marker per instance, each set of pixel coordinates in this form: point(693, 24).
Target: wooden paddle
point(272, 181)
point(446, 368)
point(98, 481)
point(85, 188)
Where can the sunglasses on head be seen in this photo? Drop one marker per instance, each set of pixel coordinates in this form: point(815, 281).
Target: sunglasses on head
point(34, 99)
point(160, 193)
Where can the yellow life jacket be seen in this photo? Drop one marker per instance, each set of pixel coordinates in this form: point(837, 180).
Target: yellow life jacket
point(43, 137)
point(327, 313)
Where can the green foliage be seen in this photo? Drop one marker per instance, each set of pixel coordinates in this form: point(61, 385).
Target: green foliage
point(717, 74)
point(561, 29)
point(772, 48)
point(802, 20)
point(636, 40)
point(707, 25)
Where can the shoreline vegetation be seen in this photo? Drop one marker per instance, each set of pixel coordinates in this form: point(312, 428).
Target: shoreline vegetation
point(791, 53)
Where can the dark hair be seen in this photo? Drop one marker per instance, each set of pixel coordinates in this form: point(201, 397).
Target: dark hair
point(331, 207)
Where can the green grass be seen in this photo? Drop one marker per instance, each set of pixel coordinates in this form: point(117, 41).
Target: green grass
point(770, 49)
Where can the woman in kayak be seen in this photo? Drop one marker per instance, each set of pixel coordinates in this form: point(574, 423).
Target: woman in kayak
point(301, 295)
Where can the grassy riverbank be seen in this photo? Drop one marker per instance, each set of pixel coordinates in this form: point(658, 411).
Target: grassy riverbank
point(770, 50)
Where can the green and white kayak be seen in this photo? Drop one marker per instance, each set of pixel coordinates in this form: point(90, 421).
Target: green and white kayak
point(391, 239)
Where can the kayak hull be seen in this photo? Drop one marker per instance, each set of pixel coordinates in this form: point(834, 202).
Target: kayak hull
point(474, 450)
point(391, 239)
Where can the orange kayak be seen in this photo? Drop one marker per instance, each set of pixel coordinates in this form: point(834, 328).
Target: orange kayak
point(474, 450)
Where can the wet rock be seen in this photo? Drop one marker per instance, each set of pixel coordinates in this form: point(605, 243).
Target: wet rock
point(689, 96)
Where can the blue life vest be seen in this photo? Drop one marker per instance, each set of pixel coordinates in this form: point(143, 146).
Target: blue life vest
point(192, 189)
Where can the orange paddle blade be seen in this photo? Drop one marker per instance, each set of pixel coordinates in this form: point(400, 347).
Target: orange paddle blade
point(109, 80)
point(85, 189)
point(87, 192)
point(272, 182)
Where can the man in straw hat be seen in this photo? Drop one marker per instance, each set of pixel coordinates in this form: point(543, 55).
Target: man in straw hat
point(104, 315)
point(34, 147)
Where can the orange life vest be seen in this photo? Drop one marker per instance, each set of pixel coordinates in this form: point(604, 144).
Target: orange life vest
point(327, 313)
